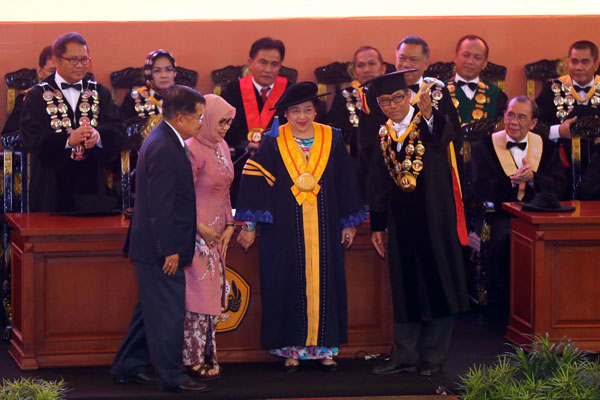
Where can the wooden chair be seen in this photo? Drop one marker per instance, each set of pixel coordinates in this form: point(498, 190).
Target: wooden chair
point(222, 77)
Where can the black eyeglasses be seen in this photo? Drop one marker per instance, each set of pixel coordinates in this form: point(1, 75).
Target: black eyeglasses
point(399, 98)
point(225, 122)
point(76, 60)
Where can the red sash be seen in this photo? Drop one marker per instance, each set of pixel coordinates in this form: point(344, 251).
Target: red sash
point(253, 118)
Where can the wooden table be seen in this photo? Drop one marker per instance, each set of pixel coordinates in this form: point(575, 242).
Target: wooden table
point(555, 275)
point(74, 292)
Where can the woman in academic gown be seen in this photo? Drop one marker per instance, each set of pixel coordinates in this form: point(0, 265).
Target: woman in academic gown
point(301, 190)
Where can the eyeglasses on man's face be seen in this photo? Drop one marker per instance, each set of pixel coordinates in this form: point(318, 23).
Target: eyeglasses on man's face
point(197, 117)
point(386, 101)
point(77, 60)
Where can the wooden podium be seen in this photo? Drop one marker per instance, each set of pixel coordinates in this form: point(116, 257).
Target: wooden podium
point(74, 292)
point(555, 275)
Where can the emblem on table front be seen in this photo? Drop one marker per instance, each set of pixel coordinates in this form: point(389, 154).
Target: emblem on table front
point(237, 298)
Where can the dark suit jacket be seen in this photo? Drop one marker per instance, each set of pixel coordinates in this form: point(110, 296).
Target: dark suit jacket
point(164, 217)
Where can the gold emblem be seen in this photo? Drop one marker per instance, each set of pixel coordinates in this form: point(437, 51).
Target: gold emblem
point(237, 291)
point(384, 145)
point(480, 98)
point(66, 123)
point(420, 149)
point(48, 95)
point(437, 95)
point(570, 100)
point(383, 131)
point(58, 94)
point(410, 149)
point(417, 165)
point(62, 108)
point(56, 124)
point(556, 88)
point(255, 135)
point(406, 164)
point(455, 102)
point(306, 182)
point(407, 181)
point(477, 113)
point(84, 121)
point(51, 109)
point(84, 107)
point(94, 122)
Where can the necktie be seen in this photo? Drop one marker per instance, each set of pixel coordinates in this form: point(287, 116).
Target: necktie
point(471, 85)
point(67, 85)
point(579, 88)
point(263, 94)
point(414, 88)
point(187, 150)
point(521, 145)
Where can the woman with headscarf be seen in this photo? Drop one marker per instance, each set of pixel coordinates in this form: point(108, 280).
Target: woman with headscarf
point(301, 189)
point(205, 278)
point(145, 102)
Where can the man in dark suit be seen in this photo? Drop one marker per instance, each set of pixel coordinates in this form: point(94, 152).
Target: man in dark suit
point(161, 243)
point(72, 130)
point(512, 165)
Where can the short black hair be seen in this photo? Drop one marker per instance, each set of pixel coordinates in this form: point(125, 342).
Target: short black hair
point(473, 37)
point(535, 110)
point(45, 55)
point(179, 99)
point(585, 44)
point(367, 48)
point(418, 41)
point(59, 47)
point(267, 43)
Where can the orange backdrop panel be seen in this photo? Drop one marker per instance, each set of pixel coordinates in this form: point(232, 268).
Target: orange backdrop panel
point(207, 45)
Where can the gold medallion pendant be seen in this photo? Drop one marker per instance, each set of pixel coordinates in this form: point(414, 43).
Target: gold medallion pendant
point(407, 181)
point(306, 182)
point(255, 135)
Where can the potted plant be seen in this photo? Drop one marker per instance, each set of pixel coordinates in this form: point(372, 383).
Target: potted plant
point(32, 389)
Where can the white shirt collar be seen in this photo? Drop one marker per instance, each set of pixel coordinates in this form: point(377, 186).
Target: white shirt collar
point(460, 78)
point(259, 87)
point(406, 120)
point(524, 140)
point(176, 133)
point(59, 79)
point(590, 83)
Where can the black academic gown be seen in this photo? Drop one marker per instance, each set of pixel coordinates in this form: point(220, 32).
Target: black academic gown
point(425, 256)
point(490, 183)
point(14, 118)
point(282, 253)
point(59, 183)
point(589, 189)
point(338, 116)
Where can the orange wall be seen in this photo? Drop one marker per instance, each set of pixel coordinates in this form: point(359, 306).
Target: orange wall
point(208, 45)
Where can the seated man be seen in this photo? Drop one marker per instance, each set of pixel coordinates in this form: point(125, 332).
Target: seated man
point(72, 130)
point(255, 95)
point(146, 101)
point(44, 69)
point(346, 107)
point(512, 165)
point(571, 96)
point(411, 194)
point(474, 97)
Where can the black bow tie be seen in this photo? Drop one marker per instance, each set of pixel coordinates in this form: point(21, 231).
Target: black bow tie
point(471, 85)
point(67, 85)
point(521, 145)
point(414, 88)
point(579, 88)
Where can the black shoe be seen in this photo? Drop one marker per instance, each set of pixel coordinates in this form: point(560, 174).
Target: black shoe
point(333, 367)
point(141, 378)
point(392, 367)
point(291, 368)
point(429, 369)
point(191, 386)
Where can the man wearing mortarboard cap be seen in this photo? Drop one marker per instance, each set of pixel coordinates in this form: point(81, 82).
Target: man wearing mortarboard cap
point(414, 193)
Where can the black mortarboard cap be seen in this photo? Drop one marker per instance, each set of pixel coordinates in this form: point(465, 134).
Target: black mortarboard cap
point(388, 83)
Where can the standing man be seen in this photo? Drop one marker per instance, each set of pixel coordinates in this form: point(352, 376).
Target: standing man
point(512, 165)
point(72, 130)
point(474, 97)
point(411, 195)
point(255, 95)
point(161, 243)
point(571, 96)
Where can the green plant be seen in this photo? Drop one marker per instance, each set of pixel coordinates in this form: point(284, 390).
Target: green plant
point(32, 389)
point(539, 371)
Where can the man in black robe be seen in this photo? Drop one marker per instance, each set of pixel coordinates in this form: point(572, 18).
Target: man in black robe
point(44, 69)
point(412, 194)
point(569, 97)
point(512, 165)
point(72, 129)
point(412, 53)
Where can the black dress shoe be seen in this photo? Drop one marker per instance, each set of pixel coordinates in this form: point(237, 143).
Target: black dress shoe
point(291, 368)
point(191, 386)
point(333, 367)
point(429, 369)
point(141, 378)
point(392, 367)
